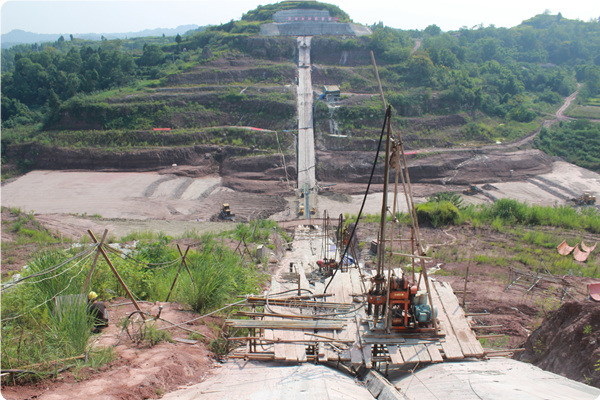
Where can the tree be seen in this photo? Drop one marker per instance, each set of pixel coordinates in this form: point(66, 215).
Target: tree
point(433, 30)
point(151, 56)
point(178, 38)
point(420, 68)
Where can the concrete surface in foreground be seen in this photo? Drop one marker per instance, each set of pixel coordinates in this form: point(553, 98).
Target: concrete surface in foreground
point(245, 380)
point(498, 378)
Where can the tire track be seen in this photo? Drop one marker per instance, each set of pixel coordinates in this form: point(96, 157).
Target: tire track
point(151, 189)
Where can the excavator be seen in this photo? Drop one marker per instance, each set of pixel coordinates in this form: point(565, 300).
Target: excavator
point(585, 199)
point(226, 214)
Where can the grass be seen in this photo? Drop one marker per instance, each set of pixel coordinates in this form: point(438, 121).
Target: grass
point(36, 331)
point(25, 229)
point(587, 111)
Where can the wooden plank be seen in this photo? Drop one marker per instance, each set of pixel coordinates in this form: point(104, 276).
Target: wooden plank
point(422, 353)
point(409, 353)
point(356, 282)
point(186, 341)
point(346, 287)
point(365, 348)
point(395, 354)
point(321, 351)
point(450, 345)
point(330, 355)
point(355, 355)
point(344, 356)
point(300, 348)
point(285, 324)
point(434, 353)
point(469, 344)
point(367, 352)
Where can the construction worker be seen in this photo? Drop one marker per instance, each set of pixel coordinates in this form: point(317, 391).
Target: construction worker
point(98, 310)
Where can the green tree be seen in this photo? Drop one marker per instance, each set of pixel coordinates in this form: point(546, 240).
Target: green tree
point(152, 56)
point(420, 68)
point(433, 30)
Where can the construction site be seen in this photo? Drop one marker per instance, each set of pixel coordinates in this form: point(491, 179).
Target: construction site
point(351, 310)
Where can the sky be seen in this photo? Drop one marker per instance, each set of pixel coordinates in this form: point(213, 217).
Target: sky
point(83, 16)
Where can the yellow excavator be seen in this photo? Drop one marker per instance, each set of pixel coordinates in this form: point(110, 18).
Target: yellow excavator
point(226, 214)
point(585, 199)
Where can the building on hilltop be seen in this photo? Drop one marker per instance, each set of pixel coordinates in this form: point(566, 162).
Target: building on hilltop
point(310, 22)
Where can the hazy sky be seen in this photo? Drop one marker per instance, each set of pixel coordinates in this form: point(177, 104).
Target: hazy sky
point(83, 16)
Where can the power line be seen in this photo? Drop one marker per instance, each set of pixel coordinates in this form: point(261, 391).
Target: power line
point(127, 256)
point(53, 297)
point(84, 253)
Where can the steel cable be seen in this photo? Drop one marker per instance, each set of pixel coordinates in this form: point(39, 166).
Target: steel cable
point(53, 297)
point(387, 116)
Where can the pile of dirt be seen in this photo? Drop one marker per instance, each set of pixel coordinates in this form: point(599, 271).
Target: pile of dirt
point(567, 343)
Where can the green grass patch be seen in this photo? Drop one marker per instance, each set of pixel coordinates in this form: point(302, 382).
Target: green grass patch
point(590, 111)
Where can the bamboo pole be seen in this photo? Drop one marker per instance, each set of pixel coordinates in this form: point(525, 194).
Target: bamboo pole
point(185, 262)
point(179, 270)
point(89, 277)
point(114, 270)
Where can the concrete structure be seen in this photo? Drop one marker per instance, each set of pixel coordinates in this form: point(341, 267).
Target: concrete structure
point(306, 141)
point(309, 22)
point(303, 15)
point(499, 378)
point(240, 380)
point(331, 92)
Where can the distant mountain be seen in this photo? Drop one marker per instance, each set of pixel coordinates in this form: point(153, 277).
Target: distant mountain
point(18, 36)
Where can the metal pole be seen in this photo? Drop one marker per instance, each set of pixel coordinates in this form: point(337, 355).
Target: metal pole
point(381, 249)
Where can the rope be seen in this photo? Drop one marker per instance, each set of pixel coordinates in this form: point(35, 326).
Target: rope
point(52, 269)
point(127, 256)
point(203, 316)
point(412, 371)
point(51, 298)
point(387, 116)
point(283, 159)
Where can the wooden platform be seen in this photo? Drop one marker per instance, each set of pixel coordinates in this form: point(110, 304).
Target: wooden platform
point(335, 328)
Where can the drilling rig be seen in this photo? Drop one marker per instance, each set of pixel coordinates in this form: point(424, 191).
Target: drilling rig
point(394, 300)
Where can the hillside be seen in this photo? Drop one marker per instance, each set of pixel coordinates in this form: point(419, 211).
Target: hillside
point(18, 36)
point(149, 139)
point(470, 87)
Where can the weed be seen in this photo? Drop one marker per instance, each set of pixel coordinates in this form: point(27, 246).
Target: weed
point(587, 330)
point(153, 336)
point(219, 346)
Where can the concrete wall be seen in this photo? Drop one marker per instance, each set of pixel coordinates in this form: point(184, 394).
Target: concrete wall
point(290, 15)
point(313, 29)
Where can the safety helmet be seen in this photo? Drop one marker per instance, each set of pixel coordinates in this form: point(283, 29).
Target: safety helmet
point(92, 296)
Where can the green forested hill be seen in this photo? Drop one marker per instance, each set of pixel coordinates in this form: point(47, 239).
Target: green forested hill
point(475, 85)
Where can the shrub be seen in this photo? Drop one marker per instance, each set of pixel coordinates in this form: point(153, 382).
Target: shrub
point(437, 213)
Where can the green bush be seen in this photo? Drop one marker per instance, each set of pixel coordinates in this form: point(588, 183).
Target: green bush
point(437, 213)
